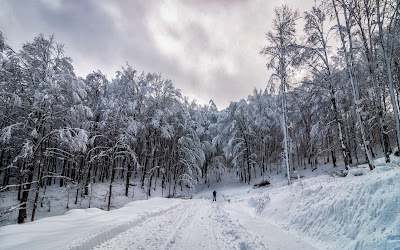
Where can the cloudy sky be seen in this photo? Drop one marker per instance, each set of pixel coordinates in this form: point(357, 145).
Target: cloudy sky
point(209, 48)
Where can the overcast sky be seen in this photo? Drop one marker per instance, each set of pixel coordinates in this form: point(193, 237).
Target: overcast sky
point(209, 48)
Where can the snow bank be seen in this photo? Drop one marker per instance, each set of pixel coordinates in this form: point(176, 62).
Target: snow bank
point(360, 170)
point(81, 228)
point(356, 212)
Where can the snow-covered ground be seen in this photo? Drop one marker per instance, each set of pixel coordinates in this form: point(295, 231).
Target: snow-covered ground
point(154, 224)
point(320, 211)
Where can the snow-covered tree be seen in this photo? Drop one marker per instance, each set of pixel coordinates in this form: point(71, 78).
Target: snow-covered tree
point(281, 51)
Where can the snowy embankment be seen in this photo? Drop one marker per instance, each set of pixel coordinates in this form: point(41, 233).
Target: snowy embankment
point(360, 211)
point(81, 228)
point(354, 212)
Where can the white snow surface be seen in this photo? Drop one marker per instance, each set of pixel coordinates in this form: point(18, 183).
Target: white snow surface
point(360, 211)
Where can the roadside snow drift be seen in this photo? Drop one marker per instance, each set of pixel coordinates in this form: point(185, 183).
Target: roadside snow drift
point(355, 212)
point(80, 228)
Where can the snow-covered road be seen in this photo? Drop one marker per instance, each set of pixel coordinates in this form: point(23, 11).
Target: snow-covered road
point(202, 224)
point(153, 224)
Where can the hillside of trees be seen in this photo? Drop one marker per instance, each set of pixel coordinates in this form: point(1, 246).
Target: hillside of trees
point(333, 97)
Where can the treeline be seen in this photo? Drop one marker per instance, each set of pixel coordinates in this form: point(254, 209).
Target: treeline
point(60, 129)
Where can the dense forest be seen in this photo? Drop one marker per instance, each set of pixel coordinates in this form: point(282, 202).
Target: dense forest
point(333, 97)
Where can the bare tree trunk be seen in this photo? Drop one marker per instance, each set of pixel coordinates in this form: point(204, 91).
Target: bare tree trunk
point(284, 117)
point(343, 145)
point(128, 176)
point(26, 186)
point(111, 183)
point(40, 176)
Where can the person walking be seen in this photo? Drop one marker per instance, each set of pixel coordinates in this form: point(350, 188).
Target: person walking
point(215, 195)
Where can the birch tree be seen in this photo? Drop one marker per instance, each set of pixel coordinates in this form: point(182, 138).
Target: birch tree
point(280, 52)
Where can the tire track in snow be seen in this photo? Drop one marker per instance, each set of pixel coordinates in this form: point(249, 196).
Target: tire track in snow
point(231, 233)
point(91, 240)
point(176, 235)
point(197, 231)
point(155, 232)
point(202, 224)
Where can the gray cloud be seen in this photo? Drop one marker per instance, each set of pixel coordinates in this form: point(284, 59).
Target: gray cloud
point(208, 48)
